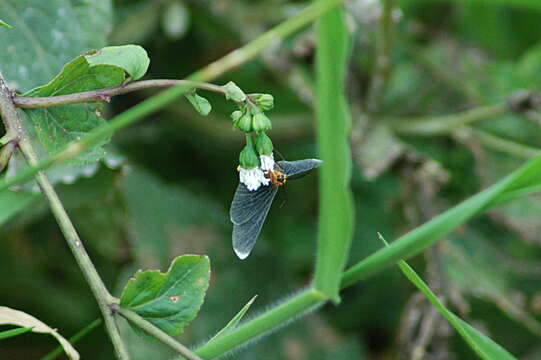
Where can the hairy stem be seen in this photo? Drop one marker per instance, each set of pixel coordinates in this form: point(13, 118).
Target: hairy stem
point(291, 308)
point(13, 123)
point(155, 332)
point(106, 93)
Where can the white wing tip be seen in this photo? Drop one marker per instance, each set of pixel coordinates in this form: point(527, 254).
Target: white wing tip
point(242, 254)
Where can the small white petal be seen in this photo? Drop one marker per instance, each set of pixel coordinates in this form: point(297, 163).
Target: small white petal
point(267, 162)
point(252, 178)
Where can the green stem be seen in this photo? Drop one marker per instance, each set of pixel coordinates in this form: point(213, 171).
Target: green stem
point(12, 121)
point(155, 332)
point(382, 69)
point(497, 143)
point(333, 126)
point(73, 340)
point(300, 303)
point(440, 125)
point(425, 235)
point(153, 104)
point(106, 93)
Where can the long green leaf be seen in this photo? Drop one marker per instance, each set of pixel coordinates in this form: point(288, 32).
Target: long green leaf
point(235, 320)
point(14, 332)
point(483, 346)
point(527, 176)
point(333, 123)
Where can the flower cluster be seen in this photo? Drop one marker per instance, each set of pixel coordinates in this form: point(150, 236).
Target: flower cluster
point(256, 158)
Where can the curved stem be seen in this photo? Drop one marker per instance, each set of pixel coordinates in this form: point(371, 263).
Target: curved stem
point(13, 123)
point(155, 332)
point(106, 93)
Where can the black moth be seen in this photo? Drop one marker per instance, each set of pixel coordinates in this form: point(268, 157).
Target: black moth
point(249, 209)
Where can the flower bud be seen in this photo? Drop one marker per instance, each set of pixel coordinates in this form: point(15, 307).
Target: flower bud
point(261, 122)
point(235, 116)
point(264, 101)
point(263, 144)
point(245, 122)
point(248, 158)
point(233, 92)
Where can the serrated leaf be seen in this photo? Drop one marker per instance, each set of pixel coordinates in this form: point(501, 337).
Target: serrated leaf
point(235, 320)
point(19, 318)
point(6, 25)
point(57, 126)
point(47, 34)
point(169, 300)
point(14, 332)
point(200, 104)
point(481, 344)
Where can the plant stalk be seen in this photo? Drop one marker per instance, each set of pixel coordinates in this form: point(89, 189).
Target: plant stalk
point(13, 123)
point(155, 332)
point(106, 93)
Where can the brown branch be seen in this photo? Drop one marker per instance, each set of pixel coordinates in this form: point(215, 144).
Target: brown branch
point(106, 93)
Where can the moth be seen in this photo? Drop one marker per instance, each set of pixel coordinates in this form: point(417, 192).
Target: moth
point(249, 209)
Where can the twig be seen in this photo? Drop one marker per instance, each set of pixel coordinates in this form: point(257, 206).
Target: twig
point(440, 125)
point(106, 93)
point(155, 332)
point(382, 69)
point(14, 125)
point(497, 143)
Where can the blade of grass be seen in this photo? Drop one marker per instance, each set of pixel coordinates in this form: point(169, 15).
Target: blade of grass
point(73, 340)
point(483, 346)
point(333, 124)
point(236, 319)
point(527, 176)
point(14, 332)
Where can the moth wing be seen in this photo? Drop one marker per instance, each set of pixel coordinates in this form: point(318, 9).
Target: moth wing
point(299, 168)
point(245, 235)
point(246, 203)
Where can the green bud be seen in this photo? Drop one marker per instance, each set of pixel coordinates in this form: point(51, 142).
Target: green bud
point(248, 158)
point(233, 92)
point(245, 122)
point(235, 116)
point(200, 104)
point(264, 101)
point(261, 122)
point(263, 144)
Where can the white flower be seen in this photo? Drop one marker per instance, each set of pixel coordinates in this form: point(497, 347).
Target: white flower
point(267, 162)
point(253, 178)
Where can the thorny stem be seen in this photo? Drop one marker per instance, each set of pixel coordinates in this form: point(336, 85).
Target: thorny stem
point(155, 332)
point(13, 124)
point(107, 93)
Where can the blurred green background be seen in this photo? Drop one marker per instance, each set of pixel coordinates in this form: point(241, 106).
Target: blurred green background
point(166, 186)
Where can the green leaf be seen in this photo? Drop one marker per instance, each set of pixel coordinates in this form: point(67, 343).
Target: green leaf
point(47, 34)
point(169, 300)
point(483, 346)
point(133, 59)
point(14, 332)
point(235, 320)
point(6, 25)
point(200, 104)
point(57, 126)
